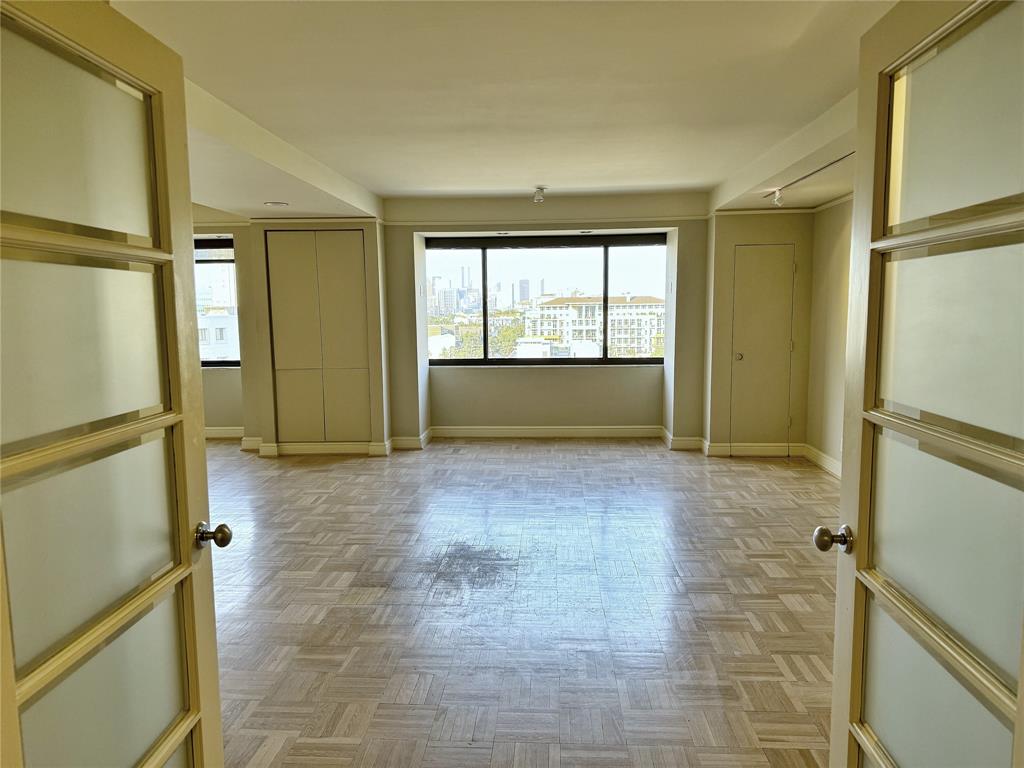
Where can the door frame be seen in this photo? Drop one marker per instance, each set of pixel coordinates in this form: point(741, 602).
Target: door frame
point(906, 31)
point(108, 40)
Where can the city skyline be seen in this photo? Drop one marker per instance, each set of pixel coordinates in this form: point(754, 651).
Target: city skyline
point(546, 302)
point(632, 270)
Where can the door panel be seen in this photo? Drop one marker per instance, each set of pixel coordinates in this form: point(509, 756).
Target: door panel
point(957, 112)
point(113, 708)
point(930, 580)
point(300, 406)
point(109, 525)
point(70, 324)
point(930, 517)
point(952, 331)
point(922, 715)
point(291, 269)
point(346, 392)
point(107, 642)
point(76, 148)
point(762, 338)
point(341, 279)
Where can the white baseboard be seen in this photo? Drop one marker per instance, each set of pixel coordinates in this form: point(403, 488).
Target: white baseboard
point(379, 449)
point(251, 443)
point(680, 443)
point(714, 449)
point(411, 443)
point(759, 449)
point(268, 450)
point(746, 449)
point(548, 432)
point(833, 466)
point(325, 448)
point(830, 465)
point(223, 432)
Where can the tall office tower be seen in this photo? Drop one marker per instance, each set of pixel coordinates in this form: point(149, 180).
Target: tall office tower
point(524, 290)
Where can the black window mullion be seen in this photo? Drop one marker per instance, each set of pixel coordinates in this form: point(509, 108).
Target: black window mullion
point(483, 283)
point(606, 242)
point(604, 309)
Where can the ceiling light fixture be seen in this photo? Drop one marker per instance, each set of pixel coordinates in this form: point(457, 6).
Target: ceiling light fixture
point(538, 194)
point(276, 204)
point(776, 194)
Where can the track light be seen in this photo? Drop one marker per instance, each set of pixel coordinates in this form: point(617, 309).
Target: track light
point(538, 194)
point(777, 198)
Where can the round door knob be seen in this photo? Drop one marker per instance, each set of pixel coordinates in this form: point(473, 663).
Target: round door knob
point(823, 538)
point(739, 355)
point(221, 535)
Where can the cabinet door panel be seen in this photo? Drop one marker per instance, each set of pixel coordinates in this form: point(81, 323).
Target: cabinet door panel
point(294, 303)
point(300, 406)
point(342, 288)
point(346, 404)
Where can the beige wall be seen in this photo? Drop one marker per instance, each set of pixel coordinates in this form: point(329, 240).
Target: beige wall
point(830, 284)
point(768, 228)
point(531, 396)
point(222, 397)
point(667, 398)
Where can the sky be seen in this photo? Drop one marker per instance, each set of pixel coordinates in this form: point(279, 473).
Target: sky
point(638, 270)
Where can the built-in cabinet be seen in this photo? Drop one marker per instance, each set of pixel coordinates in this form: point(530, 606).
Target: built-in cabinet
point(317, 282)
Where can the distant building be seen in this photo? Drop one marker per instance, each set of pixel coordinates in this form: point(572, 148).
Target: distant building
point(524, 290)
point(447, 301)
point(636, 324)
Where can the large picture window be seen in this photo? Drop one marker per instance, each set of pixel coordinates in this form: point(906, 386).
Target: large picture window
point(217, 301)
point(546, 300)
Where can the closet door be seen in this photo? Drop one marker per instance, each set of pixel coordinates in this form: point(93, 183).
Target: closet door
point(295, 321)
point(762, 346)
point(341, 280)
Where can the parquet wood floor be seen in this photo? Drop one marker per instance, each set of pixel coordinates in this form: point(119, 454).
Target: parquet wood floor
point(523, 604)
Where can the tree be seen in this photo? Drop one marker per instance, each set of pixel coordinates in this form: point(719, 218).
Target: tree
point(502, 343)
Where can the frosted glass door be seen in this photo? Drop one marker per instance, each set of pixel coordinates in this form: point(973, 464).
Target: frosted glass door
point(107, 646)
point(930, 558)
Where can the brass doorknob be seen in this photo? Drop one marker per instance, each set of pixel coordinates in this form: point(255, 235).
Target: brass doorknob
point(823, 538)
point(221, 535)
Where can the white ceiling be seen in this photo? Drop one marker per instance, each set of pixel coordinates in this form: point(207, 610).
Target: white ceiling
point(414, 98)
point(226, 178)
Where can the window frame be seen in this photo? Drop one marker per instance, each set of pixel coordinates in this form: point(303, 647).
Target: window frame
point(605, 242)
point(217, 244)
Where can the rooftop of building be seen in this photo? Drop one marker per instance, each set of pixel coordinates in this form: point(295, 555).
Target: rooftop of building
point(567, 300)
